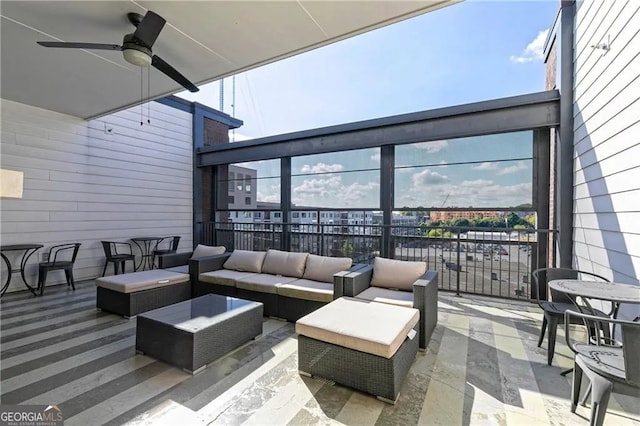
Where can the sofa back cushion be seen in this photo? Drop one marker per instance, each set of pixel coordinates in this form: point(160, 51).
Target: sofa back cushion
point(245, 261)
point(202, 251)
point(400, 274)
point(322, 268)
point(284, 263)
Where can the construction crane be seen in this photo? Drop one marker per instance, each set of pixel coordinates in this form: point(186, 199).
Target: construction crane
point(445, 200)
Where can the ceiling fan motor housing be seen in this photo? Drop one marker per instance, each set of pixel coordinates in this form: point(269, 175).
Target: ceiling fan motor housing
point(134, 52)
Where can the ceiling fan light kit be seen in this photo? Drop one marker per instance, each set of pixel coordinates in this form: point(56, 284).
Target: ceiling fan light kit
point(136, 47)
point(136, 57)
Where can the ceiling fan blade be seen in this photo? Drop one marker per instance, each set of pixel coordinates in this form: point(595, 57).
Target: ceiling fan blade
point(161, 65)
point(75, 45)
point(149, 28)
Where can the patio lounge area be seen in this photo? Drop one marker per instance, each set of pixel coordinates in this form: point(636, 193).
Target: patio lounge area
point(482, 366)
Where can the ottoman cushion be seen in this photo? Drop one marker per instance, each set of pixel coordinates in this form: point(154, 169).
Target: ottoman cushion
point(375, 328)
point(144, 280)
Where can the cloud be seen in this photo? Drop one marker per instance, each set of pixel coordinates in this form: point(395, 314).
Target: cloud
point(427, 177)
point(356, 191)
point(475, 193)
point(513, 169)
point(432, 146)
point(321, 168)
point(486, 166)
point(318, 187)
point(477, 183)
point(534, 50)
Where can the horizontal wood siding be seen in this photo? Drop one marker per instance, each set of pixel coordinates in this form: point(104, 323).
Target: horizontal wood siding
point(87, 181)
point(607, 139)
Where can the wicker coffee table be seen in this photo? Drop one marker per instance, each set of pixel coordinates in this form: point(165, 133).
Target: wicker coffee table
point(193, 333)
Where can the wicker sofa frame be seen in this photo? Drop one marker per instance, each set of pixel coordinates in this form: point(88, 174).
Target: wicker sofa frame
point(288, 308)
point(425, 297)
point(131, 304)
point(363, 371)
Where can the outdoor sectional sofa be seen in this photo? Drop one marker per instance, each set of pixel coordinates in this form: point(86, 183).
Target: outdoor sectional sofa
point(290, 285)
point(401, 283)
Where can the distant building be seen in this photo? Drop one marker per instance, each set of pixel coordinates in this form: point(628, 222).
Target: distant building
point(464, 214)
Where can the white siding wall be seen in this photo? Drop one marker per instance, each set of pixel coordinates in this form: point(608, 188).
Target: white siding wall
point(607, 139)
point(84, 184)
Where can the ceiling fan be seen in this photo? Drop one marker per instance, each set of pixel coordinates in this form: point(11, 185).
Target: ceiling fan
point(136, 47)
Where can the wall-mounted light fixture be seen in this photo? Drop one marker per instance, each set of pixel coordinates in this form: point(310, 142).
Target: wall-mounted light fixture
point(605, 46)
point(11, 183)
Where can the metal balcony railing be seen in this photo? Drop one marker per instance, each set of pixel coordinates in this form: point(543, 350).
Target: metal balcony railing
point(487, 261)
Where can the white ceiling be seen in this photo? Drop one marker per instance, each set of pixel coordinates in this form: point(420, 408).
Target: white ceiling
point(204, 40)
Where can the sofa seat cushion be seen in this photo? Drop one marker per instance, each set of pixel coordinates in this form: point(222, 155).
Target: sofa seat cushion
point(203, 251)
point(322, 268)
point(399, 274)
point(143, 280)
point(263, 283)
point(245, 261)
point(223, 277)
point(307, 289)
point(385, 295)
point(375, 328)
point(288, 264)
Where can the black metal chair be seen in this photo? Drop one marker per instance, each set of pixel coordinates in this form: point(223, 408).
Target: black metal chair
point(118, 253)
point(608, 368)
point(167, 245)
point(555, 308)
point(61, 257)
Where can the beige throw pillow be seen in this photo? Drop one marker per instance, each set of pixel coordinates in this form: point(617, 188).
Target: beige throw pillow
point(202, 251)
point(322, 268)
point(245, 261)
point(284, 263)
point(400, 274)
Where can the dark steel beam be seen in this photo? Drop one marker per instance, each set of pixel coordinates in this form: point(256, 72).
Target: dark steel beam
point(533, 111)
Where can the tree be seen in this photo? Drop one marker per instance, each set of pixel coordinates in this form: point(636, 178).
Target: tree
point(347, 249)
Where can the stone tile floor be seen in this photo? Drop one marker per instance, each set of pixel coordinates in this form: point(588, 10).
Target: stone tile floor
point(482, 367)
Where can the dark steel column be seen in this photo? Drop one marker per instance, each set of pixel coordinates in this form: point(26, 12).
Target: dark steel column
point(198, 142)
point(387, 161)
point(540, 196)
point(564, 196)
point(285, 201)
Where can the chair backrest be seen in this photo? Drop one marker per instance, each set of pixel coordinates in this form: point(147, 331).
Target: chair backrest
point(543, 276)
point(631, 350)
point(106, 246)
point(169, 244)
point(64, 252)
point(174, 243)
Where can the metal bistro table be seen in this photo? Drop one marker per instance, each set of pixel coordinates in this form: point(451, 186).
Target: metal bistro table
point(616, 293)
point(28, 249)
point(612, 292)
point(145, 245)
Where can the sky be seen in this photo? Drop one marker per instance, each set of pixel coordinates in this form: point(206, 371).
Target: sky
point(471, 51)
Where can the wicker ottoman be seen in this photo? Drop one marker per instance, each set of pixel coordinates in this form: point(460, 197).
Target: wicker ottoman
point(365, 345)
point(131, 294)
